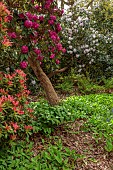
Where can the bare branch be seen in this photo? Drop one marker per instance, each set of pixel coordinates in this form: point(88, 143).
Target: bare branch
point(57, 71)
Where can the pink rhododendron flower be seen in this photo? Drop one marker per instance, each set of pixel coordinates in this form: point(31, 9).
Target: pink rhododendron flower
point(58, 27)
point(35, 25)
point(23, 64)
point(41, 18)
point(48, 3)
point(59, 47)
point(21, 15)
point(52, 17)
point(52, 56)
point(28, 24)
point(29, 15)
point(36, 6)
point(35, 17)
point(47, 6)
point(53, 37)
point(37, 51)
point(34, 41)
point(52, 49)
point(40, 58)
point(63, 50)
point(24, 49)
point(57, 61)
point(9, 18)
point(12, 35)
point(62, 11)
point(51, 22)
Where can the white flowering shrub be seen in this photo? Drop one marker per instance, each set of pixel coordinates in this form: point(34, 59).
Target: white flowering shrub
point(88, 40)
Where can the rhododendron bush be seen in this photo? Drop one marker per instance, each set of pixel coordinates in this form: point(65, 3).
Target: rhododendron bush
point(36, 32)
point(88, 37)
point(15, 115)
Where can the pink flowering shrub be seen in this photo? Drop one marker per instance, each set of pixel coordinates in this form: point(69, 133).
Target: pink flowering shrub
point(15, 115)
point(38, 34)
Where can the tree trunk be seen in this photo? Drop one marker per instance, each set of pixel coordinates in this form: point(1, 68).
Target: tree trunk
point(45, 82)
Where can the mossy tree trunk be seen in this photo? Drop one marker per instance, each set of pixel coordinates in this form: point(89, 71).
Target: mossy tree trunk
point(45, 82)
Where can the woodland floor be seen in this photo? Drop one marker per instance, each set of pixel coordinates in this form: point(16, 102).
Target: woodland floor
point(74, 136)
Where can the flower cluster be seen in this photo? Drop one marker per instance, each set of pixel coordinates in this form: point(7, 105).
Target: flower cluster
point(15, 115)
point(23, 64)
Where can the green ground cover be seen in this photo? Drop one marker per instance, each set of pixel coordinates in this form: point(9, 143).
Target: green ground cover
point(96, 112)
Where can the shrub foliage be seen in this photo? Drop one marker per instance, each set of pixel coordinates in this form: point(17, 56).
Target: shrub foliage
point(15, 115)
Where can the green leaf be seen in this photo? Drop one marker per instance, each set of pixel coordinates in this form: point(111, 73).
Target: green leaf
point(109, 145)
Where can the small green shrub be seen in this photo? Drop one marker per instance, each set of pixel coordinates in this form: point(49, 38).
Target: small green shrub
point(108, 83)
point(86, 86)
point(66, 86)
point(48, 117)
point(76, 83)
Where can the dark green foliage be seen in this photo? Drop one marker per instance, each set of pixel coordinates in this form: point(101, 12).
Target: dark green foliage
point(21, 157)
point(48, 117)
point(98, 112)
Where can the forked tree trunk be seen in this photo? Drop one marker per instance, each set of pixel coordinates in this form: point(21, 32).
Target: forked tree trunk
point(45, 82)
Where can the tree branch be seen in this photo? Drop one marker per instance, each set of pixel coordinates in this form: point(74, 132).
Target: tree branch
point(57, 71)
